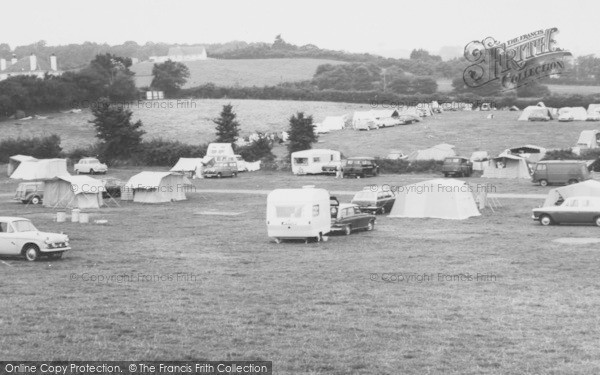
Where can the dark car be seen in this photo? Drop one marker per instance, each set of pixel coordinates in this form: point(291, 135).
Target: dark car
point(457, 166)
point(361, 167)
point(374, 202)
point(30, 192)
point(574, 210)
point(112, 188)
point(350, 218)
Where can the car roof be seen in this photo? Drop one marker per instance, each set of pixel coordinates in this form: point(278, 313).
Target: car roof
point(347, 205)
point(12, 218)
point(591, 198)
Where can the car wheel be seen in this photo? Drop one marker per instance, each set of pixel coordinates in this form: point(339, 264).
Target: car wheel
point(597, 221)
point(219, 175)
point(31, 252)
point(348, 230)
point(92, 171)
point(76, 171)
point(234, 174)
point(543, 182)
point(445, 174)
point(572, 181)
point(382, 210)
point(545, 220)
point(35, 200)
point(371, 225)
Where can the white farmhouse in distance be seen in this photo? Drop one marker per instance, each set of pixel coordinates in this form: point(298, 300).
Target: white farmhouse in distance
point(28, 66)
point(181, 54)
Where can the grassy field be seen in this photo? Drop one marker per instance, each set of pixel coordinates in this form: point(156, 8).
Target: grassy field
point(310, 308)
point(191, 122)
point(255, 72)
point(445, 85)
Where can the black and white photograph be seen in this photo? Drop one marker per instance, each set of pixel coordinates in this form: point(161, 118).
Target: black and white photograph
point(302, 187)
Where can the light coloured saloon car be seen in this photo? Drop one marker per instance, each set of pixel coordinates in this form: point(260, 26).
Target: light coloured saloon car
point(19, 237)
point(90, 165)
point(574, 210)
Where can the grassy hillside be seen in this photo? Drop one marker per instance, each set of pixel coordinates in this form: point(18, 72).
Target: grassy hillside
point(256, 72)
point(445, 85)
point(191, 122)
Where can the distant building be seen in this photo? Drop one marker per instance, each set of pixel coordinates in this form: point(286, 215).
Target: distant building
point(182, 54)
point(28, 66)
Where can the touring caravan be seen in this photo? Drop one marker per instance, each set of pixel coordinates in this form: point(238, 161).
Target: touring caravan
point(298, 214)
point(313, 161)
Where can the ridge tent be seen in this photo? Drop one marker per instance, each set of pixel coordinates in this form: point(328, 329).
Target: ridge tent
point(534, 111)
point(480, 160)
point(15, 160)
point(586, 188)
point(73, 192)
point(588, 139)
point(158, 187)
point(531, 153)
point(42, 169)
point(578, 113)
point(438, 152)
point(331, 123)
point(190, 166)
point(507, 166)
point(438, 198)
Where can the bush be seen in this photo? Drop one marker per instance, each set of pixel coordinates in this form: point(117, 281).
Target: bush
point(564, 154)
point(82, 152)
point(161, 152)
point(405, 166)
point(261, 149)
point(38, 147)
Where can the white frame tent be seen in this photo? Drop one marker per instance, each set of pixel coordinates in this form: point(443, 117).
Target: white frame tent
point(507, 166)
point(41, 169)
point(438, 198)
point(578, 113)
point(16, 160)
point(68, 191)
point(158, 187)
point(537, 110)
point(191, 166)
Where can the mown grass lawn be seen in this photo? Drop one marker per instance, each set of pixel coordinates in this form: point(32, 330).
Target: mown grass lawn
point(310, 308)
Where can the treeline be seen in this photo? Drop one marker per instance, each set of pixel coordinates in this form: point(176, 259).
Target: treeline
point(377, 98)
point(105, 76)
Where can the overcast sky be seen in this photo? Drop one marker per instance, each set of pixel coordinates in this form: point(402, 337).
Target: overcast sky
point(356, 26)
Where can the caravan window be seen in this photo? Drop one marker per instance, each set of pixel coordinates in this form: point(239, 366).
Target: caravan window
point(301, 161)
point(315, 210)
point(289, 211)
point(317, 160)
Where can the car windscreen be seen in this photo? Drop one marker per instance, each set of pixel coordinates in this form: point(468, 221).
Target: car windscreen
point(24, 226)
point(365, 195)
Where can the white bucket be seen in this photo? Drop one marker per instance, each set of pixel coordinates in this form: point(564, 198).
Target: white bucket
point(61, 217)
point(84, 218)
point(75, 215)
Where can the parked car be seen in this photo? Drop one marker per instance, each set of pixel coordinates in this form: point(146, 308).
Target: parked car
point(350, 218)
point(90, 165)
point(221, 169)
point(574, 210)
point(457, 166)
point(560, 172)
point(361, 167)
point(18, 236)
point(112, 187)
point(30, 192)
point(396, 155)
point(374, 202)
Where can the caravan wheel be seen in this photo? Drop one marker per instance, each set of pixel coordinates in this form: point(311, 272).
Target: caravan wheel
point(277, 240)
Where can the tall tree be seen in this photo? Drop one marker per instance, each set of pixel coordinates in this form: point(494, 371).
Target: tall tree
point(302, 133)
point(169, 76)
point(228, 129)
point(119, 137)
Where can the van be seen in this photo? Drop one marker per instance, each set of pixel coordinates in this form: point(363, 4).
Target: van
point(221, 169)
point(298, 214)
point(560, 172)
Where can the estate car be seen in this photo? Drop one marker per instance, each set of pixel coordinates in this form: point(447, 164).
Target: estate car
point(374, 202)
